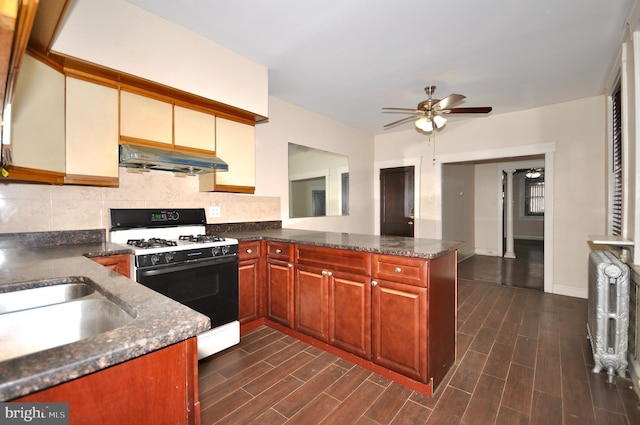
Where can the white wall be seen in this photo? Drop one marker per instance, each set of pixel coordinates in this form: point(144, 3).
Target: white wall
point(290, 123)
point(124, 37)
point(458, 221)
point(487, 210)
point(577, 128)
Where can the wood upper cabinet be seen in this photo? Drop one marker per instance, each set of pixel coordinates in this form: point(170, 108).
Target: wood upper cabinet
point(37, 141)
point(158, 388)
point(235, 145)
point(194, 130)
point(250, 281)
point(144, 119)
point(120, 263)
point(279, 283)
point(91, 133)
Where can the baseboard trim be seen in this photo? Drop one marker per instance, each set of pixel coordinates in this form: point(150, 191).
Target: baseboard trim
point(571, 291)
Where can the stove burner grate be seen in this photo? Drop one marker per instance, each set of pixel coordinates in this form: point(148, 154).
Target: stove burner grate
point(151, 243)
point(201, 238)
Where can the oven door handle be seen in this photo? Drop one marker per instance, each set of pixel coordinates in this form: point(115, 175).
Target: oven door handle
point(172, 268)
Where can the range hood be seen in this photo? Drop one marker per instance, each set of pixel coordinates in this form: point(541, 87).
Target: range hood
point(142, 158)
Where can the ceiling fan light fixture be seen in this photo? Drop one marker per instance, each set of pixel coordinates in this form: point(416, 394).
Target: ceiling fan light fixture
point(439, 121)
point(424, 124)
point(533, 173)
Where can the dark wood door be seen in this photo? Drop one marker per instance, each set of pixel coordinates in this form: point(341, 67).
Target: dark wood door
point(396, 201)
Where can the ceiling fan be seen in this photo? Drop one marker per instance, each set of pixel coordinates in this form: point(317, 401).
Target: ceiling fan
point(430, 111)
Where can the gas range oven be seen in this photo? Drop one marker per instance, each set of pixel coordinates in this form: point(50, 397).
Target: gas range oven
point(173, 255)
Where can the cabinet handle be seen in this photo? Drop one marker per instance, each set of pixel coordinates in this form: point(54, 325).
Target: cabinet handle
point(398, 270)
point(249, 251)
point(278, 250)
point(374, 283)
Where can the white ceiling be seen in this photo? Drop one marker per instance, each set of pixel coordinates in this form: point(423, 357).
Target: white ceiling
point(346, 59)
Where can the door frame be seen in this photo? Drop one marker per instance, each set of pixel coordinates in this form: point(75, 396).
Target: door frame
point(546, 149)
point(416, 163)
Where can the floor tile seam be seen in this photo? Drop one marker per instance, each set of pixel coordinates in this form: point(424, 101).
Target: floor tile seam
point(239, 407)
point(477, 380)
point(272, 385)
point(316, 373)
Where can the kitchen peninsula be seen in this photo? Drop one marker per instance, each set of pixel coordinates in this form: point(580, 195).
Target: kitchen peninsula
point(387, 303)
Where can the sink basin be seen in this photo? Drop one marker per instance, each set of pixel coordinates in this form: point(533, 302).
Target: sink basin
point(45, 295)
point(36, 329)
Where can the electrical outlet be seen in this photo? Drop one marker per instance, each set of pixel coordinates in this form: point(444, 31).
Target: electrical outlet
point(214, 212)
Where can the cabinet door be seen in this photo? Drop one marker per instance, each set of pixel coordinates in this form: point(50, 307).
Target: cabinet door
point(249, 290)
point(145, 119)
point(92, 131)
point(118, 263)
point(399, 328)
point(280, 292)
point(194, 129)
point(37, 118)
point(350, 313)
point(312, 301)
point(235, 145)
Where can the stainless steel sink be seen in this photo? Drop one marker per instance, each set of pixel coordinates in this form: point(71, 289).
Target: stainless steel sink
point(45, 295)
point(29, 331)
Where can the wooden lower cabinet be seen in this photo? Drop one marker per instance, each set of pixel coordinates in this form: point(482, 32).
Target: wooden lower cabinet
point(120, 263)
point(280, 291)
point(312, 302)
point(158, 388)
point(399, 328)
point(350, 313)
point(250, 281)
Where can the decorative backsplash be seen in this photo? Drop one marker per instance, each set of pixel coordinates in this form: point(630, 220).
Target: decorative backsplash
point(42, 208)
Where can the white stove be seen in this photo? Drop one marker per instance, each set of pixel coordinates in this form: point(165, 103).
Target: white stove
point(173, 255)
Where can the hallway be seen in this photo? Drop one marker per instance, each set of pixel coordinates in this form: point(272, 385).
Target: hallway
point(524, 271)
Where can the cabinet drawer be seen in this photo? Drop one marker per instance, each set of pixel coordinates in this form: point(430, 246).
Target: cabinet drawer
point(249, 250)
point(279, 250)
point(413, 271)
point(334, 259)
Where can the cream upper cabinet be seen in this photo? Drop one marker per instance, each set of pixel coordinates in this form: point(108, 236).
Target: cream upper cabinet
point(235, 145)
point(92, 131)
point(194, 129)
point(37, 118)
point(145, 118)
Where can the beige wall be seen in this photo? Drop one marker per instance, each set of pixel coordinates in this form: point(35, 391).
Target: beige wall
point(578, 130)
point(290, 123)
point(458, 221)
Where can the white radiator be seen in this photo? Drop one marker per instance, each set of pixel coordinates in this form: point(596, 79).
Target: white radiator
point(608, 312)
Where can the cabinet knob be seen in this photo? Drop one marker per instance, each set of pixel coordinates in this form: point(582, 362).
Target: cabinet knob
point(374, 283)
point(398, 270)
point(329, 274)
point(324, 272)
point(278, 250)
point(249, 251)
point(289, 265)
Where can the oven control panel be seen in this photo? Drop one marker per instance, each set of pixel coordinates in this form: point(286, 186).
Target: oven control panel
point(187, 255)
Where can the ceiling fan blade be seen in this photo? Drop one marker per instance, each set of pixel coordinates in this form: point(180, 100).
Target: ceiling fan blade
point(400, 121)
point(452, 99)
point(399, 109)
point(470, 110)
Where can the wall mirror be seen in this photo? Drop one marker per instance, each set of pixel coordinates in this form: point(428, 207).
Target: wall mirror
point(318, 182)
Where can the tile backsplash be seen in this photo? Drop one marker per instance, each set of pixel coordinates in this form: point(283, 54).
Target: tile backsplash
point(38, 208)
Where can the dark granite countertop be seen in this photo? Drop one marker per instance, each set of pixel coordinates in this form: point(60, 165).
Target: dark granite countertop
point(159, 321)
point(392, 245)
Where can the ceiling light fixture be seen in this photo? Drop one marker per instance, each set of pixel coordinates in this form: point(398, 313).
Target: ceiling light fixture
point(429, 121)
point(534, 173)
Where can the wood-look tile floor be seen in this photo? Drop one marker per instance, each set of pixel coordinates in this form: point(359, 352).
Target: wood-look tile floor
point(523, 358)
point(524, 271)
